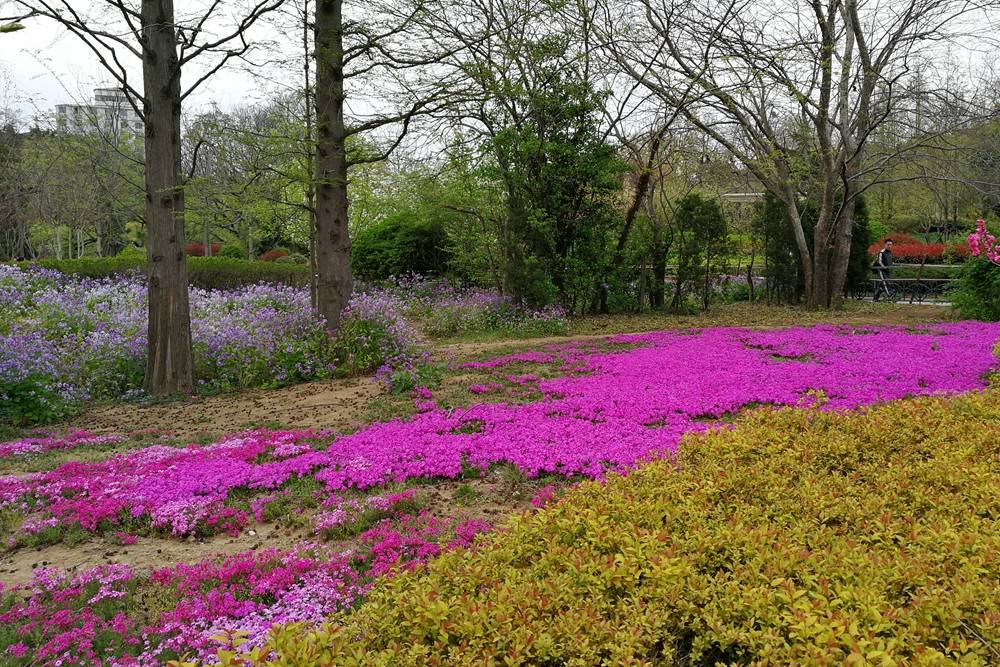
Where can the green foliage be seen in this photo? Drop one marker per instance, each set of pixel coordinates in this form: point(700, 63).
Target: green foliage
point(205, 272)
point(365, 344)
point(876, 230)
point(561, 180)
point(783, 266)
point(977, 296)
point(800, 537)
point(399, 246)
point(700, 238)
point(31, 400)
point(233, 251)
point(422, 374)
point(859, 270)
point(783, 269)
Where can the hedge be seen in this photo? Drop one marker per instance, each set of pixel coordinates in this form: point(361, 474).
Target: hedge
point(799, 537)
point(204, 272)
point(977, 295)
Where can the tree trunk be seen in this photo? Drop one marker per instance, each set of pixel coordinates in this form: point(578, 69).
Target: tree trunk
point(787, 197)
point(169, 368)
point(333, 244)
point(310, 194)
point(638, 196)
point(841, 255)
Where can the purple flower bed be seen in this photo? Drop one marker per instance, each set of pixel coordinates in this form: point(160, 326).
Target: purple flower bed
point(64, 340)
point(445, 309)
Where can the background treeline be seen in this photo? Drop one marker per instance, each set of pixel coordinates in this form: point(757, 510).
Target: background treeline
point(551, 169)
point(79, 198)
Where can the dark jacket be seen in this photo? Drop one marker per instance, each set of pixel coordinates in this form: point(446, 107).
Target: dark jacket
point(883, 258)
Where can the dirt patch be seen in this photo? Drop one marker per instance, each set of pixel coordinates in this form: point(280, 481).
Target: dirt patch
point(335, 404)
point(492, 497)
point(147, 554)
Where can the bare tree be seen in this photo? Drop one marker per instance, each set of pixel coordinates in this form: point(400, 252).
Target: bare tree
point(794, 89)
point(119, 33)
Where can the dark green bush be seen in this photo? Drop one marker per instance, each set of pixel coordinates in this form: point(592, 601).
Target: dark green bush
point(30, 401)
point(977, 296)
point(400, 246)
point(205, 272)
point(859, 270)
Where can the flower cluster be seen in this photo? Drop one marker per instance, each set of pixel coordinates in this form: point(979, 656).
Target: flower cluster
point(445, 309)
point(40, 445)
point(112, 615)
point(982, 243)
point(623, 407)
point(65, 340)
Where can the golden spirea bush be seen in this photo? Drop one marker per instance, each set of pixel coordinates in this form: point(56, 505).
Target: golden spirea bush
point(800, 537)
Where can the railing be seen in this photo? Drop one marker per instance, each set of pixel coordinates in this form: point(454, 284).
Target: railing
point(910, 289)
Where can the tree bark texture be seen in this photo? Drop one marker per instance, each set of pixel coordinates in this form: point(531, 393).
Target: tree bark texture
point(333, 244)
point(169, 367)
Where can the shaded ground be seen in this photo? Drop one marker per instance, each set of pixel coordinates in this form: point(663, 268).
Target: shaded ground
point(335, 404)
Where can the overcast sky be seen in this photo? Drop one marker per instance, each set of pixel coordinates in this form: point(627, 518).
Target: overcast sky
point(44, 65)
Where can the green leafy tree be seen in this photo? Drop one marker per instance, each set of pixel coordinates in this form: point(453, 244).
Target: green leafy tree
point(700, 239)
point(561, 181)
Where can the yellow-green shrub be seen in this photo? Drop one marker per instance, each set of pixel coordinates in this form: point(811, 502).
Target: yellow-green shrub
point(800, 537)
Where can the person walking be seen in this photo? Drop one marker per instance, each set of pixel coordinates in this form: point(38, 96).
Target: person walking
point(882, 267)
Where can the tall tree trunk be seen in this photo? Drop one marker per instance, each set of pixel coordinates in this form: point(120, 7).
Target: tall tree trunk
point(169, 368)
point(805, 256)
point(310, 194)
point(333, 244)
point(849, 169)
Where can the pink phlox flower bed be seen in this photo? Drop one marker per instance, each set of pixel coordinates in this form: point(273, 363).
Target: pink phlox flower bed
point(611, 411)
point(89, 618)
point(41, 444)
point(623, 408)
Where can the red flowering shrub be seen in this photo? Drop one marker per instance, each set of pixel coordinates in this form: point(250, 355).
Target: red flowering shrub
point(272, 255)
point(198, 249)
point(906, 248)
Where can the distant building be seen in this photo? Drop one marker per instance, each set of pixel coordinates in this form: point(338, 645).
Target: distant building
point(110, 114)
point(742, 197)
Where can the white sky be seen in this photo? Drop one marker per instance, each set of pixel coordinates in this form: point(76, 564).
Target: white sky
point(44, 65)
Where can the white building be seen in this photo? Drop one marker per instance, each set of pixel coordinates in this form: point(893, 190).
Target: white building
point(110, 114)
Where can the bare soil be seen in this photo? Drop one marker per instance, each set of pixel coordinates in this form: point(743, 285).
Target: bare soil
point(334, 404)
point(492, 498)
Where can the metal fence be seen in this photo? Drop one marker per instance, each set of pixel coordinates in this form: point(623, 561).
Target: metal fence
point(920, 288)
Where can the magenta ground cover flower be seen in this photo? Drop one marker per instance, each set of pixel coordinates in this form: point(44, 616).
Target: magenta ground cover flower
point(41, 444)
point(627, 407)
point(85, 619)
point(617, 409)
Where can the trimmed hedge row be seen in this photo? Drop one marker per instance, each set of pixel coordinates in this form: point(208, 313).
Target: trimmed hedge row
point(204, 272)
point(800, 537)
